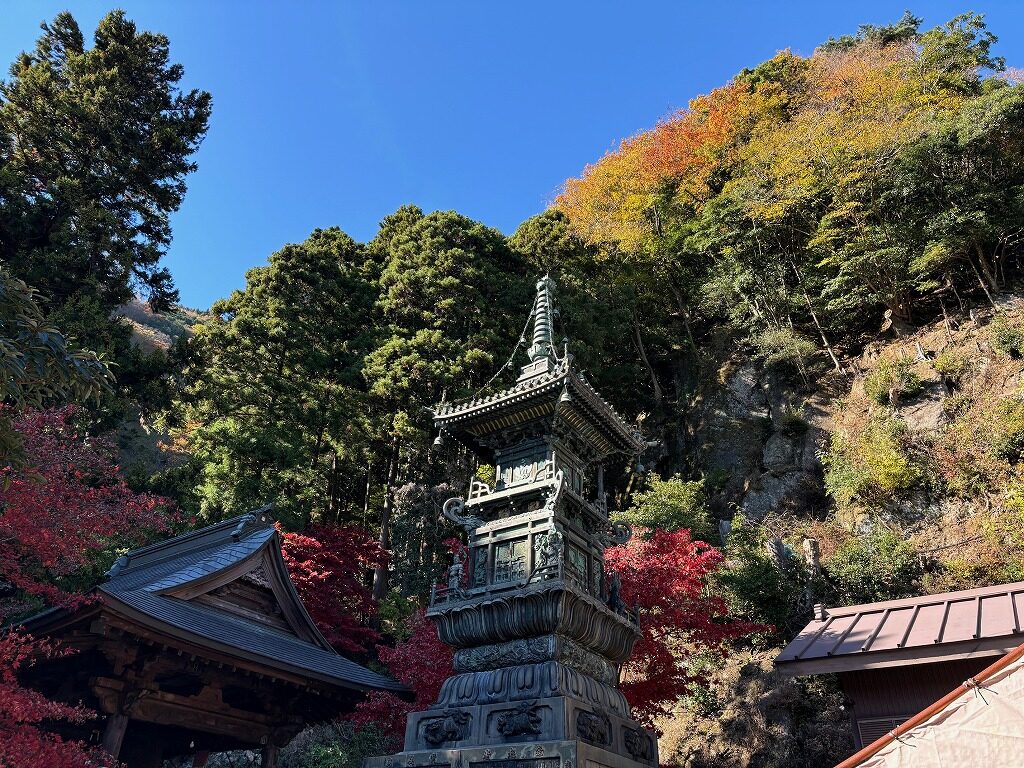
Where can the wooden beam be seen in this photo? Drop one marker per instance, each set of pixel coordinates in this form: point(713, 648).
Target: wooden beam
point(268, 756)
point(113, 734)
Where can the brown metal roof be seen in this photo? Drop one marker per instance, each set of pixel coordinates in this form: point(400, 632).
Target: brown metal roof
point(974, 622)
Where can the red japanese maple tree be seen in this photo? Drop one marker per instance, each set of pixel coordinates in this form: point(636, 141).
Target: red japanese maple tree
point(61, 508)
point(665, 575)
point(422, 662)
point(328, 565)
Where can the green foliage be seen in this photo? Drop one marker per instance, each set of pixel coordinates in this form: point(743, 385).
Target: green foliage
point(418, 533)
point(1007, 439)
point(903, 31)
point(270, 402)
point(892, 379)
point(877, 564)
point(783, 345)
point(793, 421)
point(451, 298)
point(873, 466)
point(953, 366)
point(332, 745)
point(486, 473)
point(95, 144)
point(757, 586)
point(671, 505)
point(37, 366)
point(1006, 336)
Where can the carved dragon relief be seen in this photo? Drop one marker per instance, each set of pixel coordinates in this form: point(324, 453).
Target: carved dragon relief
point(616, 534)
point(555, 495)
point(455, 510)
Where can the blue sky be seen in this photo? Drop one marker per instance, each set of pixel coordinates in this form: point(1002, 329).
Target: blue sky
point(331, 113)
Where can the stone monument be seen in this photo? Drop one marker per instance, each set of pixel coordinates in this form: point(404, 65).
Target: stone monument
point(539, 631)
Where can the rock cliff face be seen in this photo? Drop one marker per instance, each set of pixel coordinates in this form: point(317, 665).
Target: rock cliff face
point(932, 420)
point(760, 443)
point(761, 435)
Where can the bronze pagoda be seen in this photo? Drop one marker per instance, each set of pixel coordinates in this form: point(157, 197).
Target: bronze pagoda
point(540, 632)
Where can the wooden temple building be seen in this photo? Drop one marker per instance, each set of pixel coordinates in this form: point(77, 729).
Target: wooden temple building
point(198, 644)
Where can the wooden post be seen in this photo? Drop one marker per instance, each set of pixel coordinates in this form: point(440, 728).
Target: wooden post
point(113, 734)
point(269, 756)
point(200, 758)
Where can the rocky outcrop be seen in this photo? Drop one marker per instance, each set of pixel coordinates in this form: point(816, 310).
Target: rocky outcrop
point(761, 444)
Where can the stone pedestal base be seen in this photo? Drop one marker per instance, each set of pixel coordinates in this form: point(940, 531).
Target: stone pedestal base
point(539, 754)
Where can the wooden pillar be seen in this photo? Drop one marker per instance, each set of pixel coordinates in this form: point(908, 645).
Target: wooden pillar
point(269, 756)
point(113, 734)
point(200, 759)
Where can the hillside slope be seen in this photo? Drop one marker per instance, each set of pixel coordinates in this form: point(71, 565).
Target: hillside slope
point(905, 471)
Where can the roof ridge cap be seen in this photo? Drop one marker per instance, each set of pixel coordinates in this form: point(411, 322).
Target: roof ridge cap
point(228, 524)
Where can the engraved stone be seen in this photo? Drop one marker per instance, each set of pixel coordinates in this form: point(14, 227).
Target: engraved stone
point(523, 720)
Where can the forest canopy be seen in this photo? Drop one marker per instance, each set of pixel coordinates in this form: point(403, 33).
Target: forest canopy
point(742, 280)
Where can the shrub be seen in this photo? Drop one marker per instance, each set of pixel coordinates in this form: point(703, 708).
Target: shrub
point(333, 745)
point(793, 421)
point(872, 466)
point(953, 366)
point(670, 505)
point(1008, 430)
point(784, 346)
point(877, 565)
point(1006, 336)
point(754, 585)
point(892, 377)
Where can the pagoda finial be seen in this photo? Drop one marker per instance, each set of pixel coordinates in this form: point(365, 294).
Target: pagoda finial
point(543, 319)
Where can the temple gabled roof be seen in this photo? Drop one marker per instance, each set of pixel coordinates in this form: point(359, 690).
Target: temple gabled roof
point(186, 590)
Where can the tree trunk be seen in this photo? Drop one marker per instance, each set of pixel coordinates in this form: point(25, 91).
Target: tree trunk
point(986, 268)
point(647, 363)
point(333, 494)
point(814, 316)
point(382, 574)
point(981, 282)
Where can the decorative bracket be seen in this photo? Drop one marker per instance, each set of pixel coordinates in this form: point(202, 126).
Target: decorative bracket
point(455, 510)
point(616, 535)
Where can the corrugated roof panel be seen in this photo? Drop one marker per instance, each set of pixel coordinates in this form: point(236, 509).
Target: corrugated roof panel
point(919, 625)
point(996, 615)
point(891, 633)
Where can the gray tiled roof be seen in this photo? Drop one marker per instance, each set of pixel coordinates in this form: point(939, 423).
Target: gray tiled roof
point(135, 588)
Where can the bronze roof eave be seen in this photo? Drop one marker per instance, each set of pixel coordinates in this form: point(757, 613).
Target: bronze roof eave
point(459, 419)
point(601, 409)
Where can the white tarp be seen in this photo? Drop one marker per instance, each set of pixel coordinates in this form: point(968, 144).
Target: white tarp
point(982, 728)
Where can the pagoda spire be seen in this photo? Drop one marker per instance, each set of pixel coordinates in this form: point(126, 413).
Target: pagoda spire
point(544, 313)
